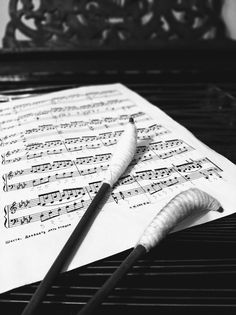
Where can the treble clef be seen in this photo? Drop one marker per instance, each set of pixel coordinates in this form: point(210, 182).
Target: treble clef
point(12, 208)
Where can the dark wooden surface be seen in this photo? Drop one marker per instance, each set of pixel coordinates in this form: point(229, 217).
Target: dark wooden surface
point(193, 271)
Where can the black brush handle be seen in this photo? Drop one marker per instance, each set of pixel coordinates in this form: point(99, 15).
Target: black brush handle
point(64, 256)
point(109, 285)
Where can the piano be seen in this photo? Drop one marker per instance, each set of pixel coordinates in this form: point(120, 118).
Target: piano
point(175, 54)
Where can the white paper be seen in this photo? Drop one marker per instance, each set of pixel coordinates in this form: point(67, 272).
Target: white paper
point(54, 151)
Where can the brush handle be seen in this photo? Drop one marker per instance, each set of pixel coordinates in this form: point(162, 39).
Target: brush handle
point(66, 253)
point(123, 155)
point(109, 285)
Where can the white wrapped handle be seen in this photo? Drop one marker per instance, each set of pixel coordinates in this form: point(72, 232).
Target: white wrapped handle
point(177, 209)
point(123, 155)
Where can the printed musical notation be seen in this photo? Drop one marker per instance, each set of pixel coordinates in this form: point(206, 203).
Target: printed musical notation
point(143, 133)
point(153, 151)
point(81, 125)
point(73, 111)
point(75, 144)
point(88, 100)
point(71, 200)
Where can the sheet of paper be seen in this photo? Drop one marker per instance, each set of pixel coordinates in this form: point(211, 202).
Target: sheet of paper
point(55, 149)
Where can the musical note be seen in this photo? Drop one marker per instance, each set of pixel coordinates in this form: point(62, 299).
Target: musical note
point(50, 130)
point(191, 166)
point(59, 112)
point(120, 193)
point(64, 128)
point(47, 215)
point(94, 170)
point(41, 168)
point(73, 192)
point(47, 199)
point(154, 174)
point(99, 158)
point(70, 145)
point(41, 181)
point(124, 180)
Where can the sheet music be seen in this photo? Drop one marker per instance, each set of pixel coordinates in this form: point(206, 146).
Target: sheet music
point(55, 149)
